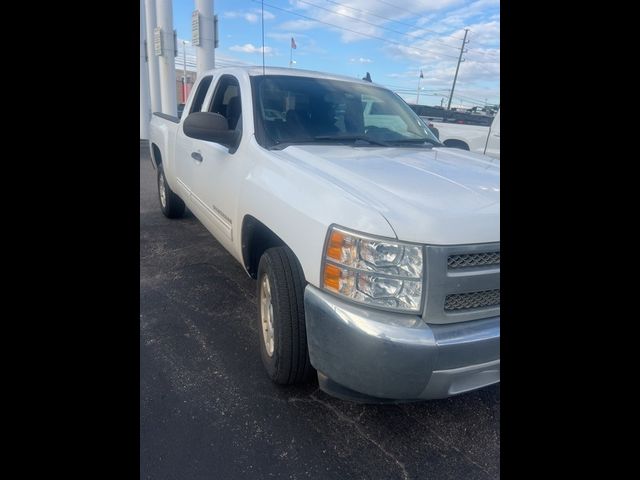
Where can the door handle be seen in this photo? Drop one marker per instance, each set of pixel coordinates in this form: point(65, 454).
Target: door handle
point(196, 156)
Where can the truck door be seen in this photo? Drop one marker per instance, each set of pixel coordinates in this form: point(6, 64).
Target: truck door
point(493, 142)
point(184, 145)
point(217, 173)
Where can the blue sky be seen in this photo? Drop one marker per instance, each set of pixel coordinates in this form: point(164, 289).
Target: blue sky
point(412, 35)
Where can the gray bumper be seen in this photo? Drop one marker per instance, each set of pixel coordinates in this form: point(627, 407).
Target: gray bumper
point(398, 356)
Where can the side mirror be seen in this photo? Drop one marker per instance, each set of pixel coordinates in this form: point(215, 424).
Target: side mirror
point(211, 127)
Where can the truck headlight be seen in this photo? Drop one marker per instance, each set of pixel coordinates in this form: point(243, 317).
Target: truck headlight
point(375, 271)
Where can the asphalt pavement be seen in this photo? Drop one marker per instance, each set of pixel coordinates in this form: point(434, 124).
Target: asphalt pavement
point(208, 410)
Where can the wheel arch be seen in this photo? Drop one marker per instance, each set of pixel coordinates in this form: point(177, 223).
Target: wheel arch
point(256, 238)
point(156, 156)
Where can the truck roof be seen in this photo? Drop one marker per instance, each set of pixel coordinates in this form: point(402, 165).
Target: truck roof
point(256, 70)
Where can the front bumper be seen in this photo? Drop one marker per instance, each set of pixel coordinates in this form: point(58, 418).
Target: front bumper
point(366, 354)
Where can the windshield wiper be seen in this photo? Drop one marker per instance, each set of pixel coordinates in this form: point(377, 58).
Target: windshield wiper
point(354, 138)
point(280, 145)
point(420, 142)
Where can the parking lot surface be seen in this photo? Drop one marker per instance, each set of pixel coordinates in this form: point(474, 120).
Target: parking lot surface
point(208, 410)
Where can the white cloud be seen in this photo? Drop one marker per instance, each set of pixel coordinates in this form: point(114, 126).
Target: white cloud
point(360, 60)
point(437, 36)
point(298, 25)
point(250, 48)
point(250, 16)
point(352, 15)
point(285, 37)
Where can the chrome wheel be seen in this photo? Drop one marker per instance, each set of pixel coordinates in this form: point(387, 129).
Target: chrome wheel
point(266, 314)
point(163, 193)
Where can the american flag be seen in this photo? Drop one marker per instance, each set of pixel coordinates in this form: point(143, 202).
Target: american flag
point(421, 75)
point(293, 43)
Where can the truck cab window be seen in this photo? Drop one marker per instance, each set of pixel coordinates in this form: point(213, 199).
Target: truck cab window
point(226, 101)
point(201, 92)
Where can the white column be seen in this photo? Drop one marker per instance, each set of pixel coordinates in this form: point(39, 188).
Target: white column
point(145, 113)
point(167, 60)
point(205, 53)
point(152, 61)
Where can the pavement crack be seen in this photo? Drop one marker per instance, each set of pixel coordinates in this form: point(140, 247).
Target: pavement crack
point(446, 442)
point(344, 418)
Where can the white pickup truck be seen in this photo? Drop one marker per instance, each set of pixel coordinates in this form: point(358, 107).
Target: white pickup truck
point(479, 139)
point(376, 250)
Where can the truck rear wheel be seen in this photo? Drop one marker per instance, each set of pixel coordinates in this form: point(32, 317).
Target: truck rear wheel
point(171, 204)
point(281, 321)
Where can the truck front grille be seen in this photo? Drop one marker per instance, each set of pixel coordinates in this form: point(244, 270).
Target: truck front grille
point(483, 259)
point(465, 301)
point(462, 283)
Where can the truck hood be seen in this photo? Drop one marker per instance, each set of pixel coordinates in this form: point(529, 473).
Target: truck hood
point(439, 196)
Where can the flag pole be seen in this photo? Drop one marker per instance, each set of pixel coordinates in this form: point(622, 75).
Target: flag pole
point(418, 96)
point(292, 47)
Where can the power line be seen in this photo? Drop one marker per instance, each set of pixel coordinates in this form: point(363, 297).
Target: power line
point(356, 32)
point(403, 9)
point(376, 25)
point(395, 21)
point(485, 54)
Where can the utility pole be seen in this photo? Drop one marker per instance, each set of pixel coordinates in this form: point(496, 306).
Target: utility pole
point(460, 60)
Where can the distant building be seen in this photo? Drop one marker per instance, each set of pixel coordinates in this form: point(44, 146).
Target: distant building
point(180, 89)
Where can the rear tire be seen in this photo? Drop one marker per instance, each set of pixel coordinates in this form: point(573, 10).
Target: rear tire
point(281, 320)
point(171, 204)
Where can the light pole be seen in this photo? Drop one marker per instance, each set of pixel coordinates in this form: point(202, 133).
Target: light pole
point(184, 71)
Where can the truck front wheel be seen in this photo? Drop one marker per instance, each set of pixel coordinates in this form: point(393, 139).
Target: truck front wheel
point(281, 323)
point(171, 204)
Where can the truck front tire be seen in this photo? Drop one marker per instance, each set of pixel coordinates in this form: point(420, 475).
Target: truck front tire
point(171, 204)
point(281, 321)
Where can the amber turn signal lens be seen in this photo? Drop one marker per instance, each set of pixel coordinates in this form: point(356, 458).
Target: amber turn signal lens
point(336, 242)
point(332, 277)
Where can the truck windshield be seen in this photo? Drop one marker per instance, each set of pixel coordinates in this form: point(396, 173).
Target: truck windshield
point(304, 110)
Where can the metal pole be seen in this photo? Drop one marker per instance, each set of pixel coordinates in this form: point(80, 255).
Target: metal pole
point(154, 75)
point(462, 50)
point(418, 96)
point(145, 113)
point(206, 51)
point(184, 72)
point(167, 60)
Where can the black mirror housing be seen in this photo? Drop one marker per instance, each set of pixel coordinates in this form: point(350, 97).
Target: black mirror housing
point(211, 127)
